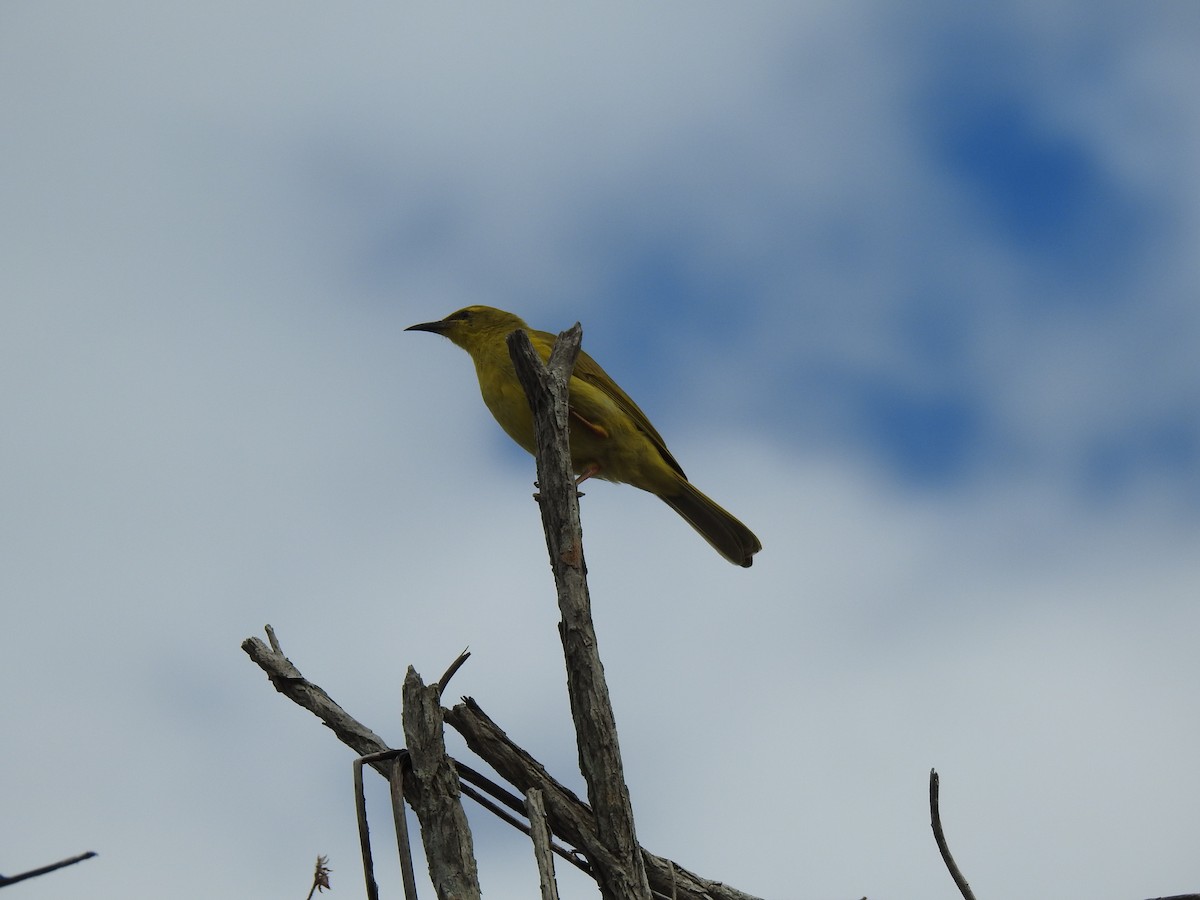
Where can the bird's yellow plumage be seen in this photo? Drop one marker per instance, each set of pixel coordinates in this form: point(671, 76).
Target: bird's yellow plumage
point(611, 438)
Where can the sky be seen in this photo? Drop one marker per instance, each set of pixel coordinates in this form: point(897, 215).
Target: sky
point(912, 290)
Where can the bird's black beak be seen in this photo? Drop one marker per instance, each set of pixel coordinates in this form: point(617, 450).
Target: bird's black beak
point(436, 327)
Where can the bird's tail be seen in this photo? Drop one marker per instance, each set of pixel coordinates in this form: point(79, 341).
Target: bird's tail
point(728, 536)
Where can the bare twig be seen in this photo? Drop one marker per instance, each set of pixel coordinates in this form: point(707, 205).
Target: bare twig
point(364, 833)
point(940, 837)
point(540, 834)
point(400, 820)
point(547, 387)
point(34, 873)
point(401, 768)
point(441, 683)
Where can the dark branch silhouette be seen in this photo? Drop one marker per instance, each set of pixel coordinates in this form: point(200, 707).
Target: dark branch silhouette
point(940, 837)
point(34, 873)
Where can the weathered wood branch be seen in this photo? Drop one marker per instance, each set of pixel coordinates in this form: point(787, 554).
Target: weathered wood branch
point(539, 832)
point(434, 795)
point(567, 814)
point(546, 386)
point(935, 821)
point(288, 681)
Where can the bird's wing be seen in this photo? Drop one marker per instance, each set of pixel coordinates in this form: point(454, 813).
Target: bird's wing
point(588, 370)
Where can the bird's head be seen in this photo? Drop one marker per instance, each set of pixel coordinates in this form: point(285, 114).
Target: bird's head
point(473, 326)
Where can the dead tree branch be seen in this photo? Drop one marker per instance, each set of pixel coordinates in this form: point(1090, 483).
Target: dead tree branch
point(540, 833)
point(568, 815)
point(34, 873)
point(546, 386)
point(434, 795)
point(288, 681)
point(400, 765)
point(940, 836)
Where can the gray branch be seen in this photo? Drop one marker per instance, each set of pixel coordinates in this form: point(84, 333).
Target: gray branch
point(546, 386)
point(288, 681)
point(568, 815)
point(539, 832)
point(434, 795)
point(939, 835)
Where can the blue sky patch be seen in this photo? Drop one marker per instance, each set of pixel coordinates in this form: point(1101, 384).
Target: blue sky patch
point(1041, 188)
point(929, 439)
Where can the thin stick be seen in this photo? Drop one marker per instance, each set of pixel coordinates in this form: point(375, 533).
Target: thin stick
point(403, 844)
point(541, 843)
point(940, 837)
point(441, 683)
point(34, 873)
point(399, 760)
point(364, 832)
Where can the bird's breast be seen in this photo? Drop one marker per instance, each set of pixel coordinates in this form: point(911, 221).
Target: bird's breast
point(506, 400)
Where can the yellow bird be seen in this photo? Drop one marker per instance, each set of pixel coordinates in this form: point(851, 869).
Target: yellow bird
point(611, 438)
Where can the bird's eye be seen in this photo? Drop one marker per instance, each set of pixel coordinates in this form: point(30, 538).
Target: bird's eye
point(462, 315)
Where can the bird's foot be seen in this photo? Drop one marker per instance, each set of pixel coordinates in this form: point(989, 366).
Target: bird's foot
point(590, 470)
